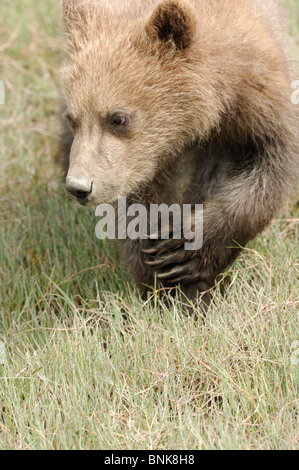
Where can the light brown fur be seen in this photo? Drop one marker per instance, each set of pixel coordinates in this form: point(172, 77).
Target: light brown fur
point(206, 84)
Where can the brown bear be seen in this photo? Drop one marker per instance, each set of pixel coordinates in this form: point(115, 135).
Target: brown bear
point(181, 101)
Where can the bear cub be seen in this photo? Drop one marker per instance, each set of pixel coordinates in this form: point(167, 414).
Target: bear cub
point(180, 102)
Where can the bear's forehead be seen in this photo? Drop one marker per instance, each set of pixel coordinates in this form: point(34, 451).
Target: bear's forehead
point(103, 60)
point(102, 77)
point(106, 73)
point(113, 74)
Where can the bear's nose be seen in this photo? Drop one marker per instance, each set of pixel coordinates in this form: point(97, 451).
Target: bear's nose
point(79, 187)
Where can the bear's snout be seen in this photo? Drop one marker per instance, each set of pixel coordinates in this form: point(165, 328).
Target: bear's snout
point(81, 188)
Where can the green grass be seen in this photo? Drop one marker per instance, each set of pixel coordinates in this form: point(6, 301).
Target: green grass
point(85, 363)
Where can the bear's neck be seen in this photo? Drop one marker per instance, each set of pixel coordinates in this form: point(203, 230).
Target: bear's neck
point(171, 182)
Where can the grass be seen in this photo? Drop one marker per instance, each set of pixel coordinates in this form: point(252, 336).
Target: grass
point(86, 364)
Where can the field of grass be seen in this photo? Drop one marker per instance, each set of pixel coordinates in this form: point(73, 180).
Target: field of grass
point(84, 363)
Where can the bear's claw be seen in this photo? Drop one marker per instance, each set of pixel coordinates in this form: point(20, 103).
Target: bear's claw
point(174, 264)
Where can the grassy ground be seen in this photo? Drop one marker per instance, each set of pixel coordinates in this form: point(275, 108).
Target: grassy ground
point(86, 364)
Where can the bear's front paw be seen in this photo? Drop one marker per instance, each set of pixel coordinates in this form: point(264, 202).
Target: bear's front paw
point(174, 264)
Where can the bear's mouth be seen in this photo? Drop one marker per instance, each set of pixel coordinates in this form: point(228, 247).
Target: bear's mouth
point(83, 201)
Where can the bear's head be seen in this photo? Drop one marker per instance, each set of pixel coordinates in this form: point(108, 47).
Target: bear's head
point(131, 93)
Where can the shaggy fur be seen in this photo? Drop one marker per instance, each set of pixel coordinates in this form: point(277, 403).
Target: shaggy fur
point(206, 88)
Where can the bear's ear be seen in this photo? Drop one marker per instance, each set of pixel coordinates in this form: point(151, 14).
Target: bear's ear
point(173, 22)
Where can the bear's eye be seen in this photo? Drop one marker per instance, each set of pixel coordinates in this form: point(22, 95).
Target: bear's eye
point(119, 123)
point(119, 120)
point(70, 121)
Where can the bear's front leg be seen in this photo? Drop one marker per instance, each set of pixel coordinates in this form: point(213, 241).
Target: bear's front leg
point(241, 209)
point(174, 263)
point(175, 266)
point(194, 271)
point(181, 261)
